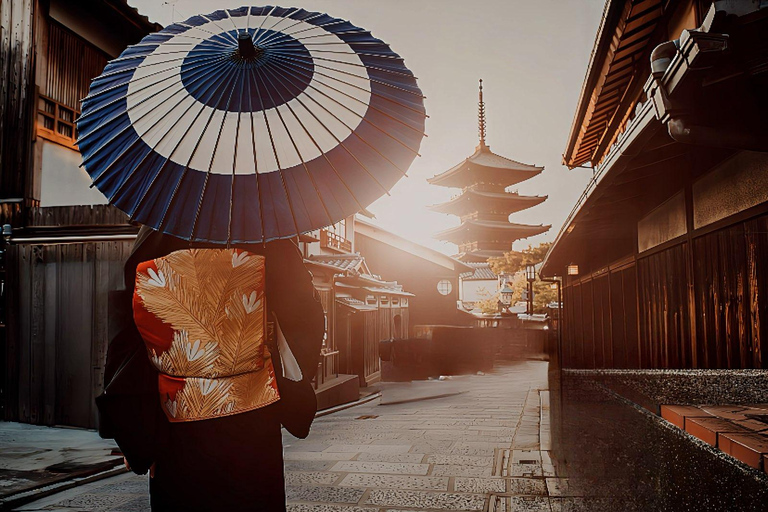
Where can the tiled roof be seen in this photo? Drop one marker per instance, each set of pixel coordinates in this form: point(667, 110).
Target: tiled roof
point(342, 262)
point(355, 304)
point(482, 272)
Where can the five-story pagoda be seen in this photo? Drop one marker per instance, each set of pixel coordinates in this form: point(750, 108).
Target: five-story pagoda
point(484, 205)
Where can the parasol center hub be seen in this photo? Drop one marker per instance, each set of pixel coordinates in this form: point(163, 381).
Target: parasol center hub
point(246, 50)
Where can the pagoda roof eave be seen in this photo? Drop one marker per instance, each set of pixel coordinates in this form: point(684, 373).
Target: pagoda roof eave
point(514, 202)
point(479, 256)
point(499, 230)
point(488, 165)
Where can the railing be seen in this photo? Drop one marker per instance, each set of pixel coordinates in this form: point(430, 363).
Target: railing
point(330, 240)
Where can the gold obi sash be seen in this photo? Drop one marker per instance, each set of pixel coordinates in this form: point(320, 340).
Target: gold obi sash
point(202, 315)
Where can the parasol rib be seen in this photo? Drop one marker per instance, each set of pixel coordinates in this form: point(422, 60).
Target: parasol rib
point(213, 157)
point(363, 117)
point(191, 156)
point(165, 163)
point(121, 132)
point(84, 136)
point(298, 99)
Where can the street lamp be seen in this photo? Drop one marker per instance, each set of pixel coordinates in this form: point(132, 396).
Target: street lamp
point(530, 276)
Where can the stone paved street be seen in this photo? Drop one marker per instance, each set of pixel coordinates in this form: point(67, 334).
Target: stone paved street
point(483, 449)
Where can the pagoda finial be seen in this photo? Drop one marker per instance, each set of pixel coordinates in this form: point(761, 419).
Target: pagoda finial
point(481, 117)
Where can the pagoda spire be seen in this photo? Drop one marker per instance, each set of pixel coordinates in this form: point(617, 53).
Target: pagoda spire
point(481, 117)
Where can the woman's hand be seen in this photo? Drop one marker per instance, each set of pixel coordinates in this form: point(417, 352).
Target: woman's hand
point(151, 468)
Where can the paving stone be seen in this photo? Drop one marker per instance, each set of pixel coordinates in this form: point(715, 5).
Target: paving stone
point(308, 465)
point(479, 485)
point(134, 505)
point(321, 507)
point(137, 485)
point(310, 477)
point(358, 448)
point(468, 460)
point(421, 499)
point(521, 455)
point(528, 504)
point(394, 468)
point(318, 456)
point(524, 470)
point(294, 446)
point(569, 504)
point(472, 449)
point(95, 502)
point(323, 494)
point(390, 457)
point(461, 470)
point(530, 486)
point(396, 482)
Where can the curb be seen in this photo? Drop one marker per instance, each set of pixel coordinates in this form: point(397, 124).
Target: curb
point(422, 398)
point(24, 497)
point(369, 398)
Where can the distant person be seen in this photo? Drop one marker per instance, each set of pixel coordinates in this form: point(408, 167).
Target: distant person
point(218, 352)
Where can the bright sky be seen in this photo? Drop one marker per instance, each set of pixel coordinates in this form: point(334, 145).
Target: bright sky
point(532, 56)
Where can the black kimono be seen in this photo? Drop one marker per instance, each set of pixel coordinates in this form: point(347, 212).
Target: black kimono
point(228, 463)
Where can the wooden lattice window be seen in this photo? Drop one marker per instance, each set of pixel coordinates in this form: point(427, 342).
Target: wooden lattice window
point(56, 122)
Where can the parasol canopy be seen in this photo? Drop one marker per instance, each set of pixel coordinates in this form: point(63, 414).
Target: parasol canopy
point(251, 124)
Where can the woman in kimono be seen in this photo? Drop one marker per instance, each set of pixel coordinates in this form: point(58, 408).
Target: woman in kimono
point(217, 350)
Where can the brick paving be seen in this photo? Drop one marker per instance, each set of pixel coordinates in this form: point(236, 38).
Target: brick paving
point(741, 431)
point(485, 449)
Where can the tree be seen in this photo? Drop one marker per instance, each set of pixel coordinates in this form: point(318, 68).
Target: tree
point(514, 262)
point(489, 305)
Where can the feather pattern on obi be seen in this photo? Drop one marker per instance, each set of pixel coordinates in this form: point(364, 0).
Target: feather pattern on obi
point(202, 315)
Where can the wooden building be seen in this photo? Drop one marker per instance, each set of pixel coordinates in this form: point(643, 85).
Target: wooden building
point(665, 255)
point(361, 310)
point(65, 247)
point(431, 276)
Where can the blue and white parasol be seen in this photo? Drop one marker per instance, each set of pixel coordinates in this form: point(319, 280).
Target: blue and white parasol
point(251, 124)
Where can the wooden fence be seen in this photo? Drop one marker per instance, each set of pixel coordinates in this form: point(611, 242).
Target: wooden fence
point(700, 303)
point(55, 363)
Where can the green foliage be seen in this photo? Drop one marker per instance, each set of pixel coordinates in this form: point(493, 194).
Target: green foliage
point(514, 261)
point(543, 293)
point(489, 305)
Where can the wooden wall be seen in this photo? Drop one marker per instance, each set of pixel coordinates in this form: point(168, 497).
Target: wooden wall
point(56, 363)
point(698, 303)
point(16, 90)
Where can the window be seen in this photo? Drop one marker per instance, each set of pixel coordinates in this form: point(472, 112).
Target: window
point(395, 301)
point(370, 299)
point(444, 286)
point(56, 122)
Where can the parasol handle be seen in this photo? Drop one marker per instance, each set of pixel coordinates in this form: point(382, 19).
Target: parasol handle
point(246, 50)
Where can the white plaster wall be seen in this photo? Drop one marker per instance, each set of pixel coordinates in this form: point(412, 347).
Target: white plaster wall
point(473, 291)
point(62, 181)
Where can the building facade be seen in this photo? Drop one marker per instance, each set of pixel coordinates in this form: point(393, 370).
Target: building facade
point(65, 248)
point(664, 255)
point(361, 309)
